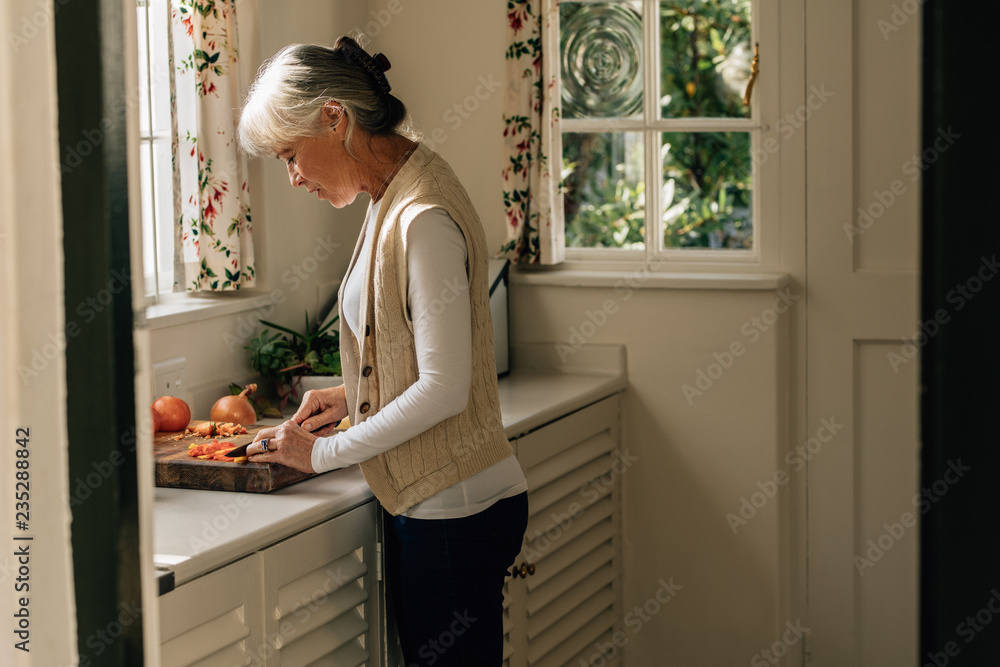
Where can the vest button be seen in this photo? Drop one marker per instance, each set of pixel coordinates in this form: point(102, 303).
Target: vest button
point(367, 371)
point(368, 330)
point(365, 407)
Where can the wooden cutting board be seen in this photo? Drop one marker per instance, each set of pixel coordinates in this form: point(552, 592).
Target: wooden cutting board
point(175, 469)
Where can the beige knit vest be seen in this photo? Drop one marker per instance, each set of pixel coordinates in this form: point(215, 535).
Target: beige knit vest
point(384, 363)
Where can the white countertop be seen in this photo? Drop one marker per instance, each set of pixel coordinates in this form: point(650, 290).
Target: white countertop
point(529, 399)
point(195, 532)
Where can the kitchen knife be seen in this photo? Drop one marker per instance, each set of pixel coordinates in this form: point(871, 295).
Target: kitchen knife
point(239, 451)
point(242, 449)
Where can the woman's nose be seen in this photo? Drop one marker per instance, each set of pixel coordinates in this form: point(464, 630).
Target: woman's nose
point(294, 177)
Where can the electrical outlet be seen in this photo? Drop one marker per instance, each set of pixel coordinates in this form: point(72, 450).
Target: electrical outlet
point(170, 378)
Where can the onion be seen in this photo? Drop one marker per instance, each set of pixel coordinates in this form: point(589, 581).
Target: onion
point(236, 409)
point(157, 419)
point(174, 412)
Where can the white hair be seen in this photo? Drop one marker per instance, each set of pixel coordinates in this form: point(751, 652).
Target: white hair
point(285, 102)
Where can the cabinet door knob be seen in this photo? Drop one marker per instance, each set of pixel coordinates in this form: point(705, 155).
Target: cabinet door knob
point(525, 571)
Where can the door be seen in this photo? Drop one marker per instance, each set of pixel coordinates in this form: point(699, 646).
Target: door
point(863, 184)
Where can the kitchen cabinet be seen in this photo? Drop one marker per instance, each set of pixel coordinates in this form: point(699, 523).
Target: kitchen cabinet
point(311, 599)
point(321, 597)
point(564, 603)
point(214, 620)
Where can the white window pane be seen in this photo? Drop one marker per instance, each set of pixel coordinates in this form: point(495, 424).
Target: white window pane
point(140, 13)
point(148, 231)
point(164, 213)
point(159, 69)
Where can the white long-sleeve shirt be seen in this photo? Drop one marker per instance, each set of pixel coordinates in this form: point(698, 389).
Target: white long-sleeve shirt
point(437, 296)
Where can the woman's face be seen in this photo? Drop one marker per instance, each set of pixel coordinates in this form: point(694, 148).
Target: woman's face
point(321, 165)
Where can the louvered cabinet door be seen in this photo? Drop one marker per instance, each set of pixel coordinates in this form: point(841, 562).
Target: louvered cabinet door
point(567, 604)
point(509, 640)
point(214, 620)
point(321, 601)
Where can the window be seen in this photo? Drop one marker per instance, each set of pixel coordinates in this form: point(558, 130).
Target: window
point(154, 146)
point(657, 142)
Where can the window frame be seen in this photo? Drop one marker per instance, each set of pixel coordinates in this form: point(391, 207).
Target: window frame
point(765, 173)
point(157, 283)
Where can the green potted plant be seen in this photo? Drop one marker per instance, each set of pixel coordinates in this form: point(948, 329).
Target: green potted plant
point(297, 361)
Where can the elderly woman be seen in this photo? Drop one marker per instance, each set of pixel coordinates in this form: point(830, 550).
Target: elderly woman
point(417, 350)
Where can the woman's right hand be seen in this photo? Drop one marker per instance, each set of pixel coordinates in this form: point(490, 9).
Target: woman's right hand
point(321, 410)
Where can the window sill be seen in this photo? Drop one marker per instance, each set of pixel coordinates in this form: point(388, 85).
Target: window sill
point(179, 310)
point(641, 278)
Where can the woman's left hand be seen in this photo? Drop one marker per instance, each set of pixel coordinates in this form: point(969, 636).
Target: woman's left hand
point(288, 444)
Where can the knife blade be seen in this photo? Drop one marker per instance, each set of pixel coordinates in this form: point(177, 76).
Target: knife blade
point(239, 451)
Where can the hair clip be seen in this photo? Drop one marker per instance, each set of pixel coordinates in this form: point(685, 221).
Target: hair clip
point(382, 61)
point(375, 65)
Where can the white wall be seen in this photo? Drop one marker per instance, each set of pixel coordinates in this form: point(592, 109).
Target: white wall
point(694, 461)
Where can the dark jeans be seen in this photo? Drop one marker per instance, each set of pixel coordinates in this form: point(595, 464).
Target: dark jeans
point(445, 578)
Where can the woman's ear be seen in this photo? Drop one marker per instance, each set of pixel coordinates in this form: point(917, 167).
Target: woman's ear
point(332, 113)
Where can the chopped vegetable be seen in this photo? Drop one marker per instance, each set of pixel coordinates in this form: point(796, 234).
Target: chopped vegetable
point(214, 451)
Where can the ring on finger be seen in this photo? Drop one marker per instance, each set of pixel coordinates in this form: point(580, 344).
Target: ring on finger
point(263, 445)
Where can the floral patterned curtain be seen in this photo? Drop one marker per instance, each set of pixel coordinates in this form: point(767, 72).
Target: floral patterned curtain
point(532, 169)
point(213, 244)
